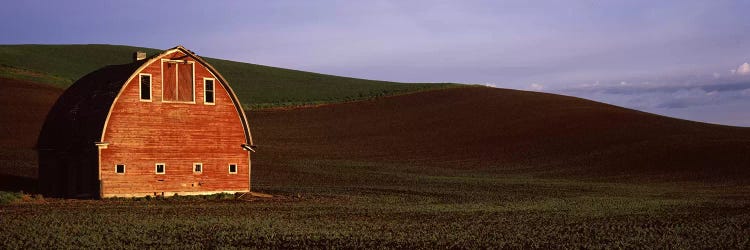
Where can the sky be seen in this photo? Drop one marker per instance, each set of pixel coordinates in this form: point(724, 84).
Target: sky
point(685, 59)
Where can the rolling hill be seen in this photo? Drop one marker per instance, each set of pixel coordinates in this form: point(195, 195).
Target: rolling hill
point(484, 130)
point(498, 131)
point(473, 129)
point(255, 85)
point(23, 108)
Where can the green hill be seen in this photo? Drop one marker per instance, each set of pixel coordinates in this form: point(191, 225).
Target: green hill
point(256, 85)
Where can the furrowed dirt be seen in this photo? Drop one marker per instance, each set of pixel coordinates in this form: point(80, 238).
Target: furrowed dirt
point(502, 130)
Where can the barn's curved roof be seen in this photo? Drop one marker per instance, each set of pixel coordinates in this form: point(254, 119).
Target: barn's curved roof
point(78, 118)
point(79, 114)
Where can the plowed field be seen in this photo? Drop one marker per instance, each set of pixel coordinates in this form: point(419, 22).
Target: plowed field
point(458, 168)
point(501, 131)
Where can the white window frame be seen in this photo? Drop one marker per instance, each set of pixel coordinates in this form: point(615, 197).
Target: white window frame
point(124, 168)
point(236, 168)
point(150, 87)
point(156, 168)
point(195, 164)
point(177, 79)
point(213, 92)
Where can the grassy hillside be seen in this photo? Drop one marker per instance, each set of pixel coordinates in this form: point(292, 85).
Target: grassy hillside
point(256, 85)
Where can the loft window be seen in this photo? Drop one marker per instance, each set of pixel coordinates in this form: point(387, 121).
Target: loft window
point(197, 168)
point(120, 168)
point(232, 168)
point(160, 168)
point(145, 86)
point(208, 89)
point(178, 81)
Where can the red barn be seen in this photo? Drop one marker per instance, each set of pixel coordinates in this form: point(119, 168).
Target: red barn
point(163, 125)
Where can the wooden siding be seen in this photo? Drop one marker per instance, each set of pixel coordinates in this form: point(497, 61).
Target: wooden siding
point(141, 134)
point(185, 82)
point(169, 81)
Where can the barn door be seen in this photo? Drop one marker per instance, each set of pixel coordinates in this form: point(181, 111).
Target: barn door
point(185, 82)
point(169, 81)
point(178, 81)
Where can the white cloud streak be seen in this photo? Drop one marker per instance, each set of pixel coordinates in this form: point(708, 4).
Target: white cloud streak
point(743, 69)
point(536, 87)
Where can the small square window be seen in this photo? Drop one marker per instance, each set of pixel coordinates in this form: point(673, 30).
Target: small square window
point(197, 168)
point(160, 168)
point(120, 168)
point(232, 168)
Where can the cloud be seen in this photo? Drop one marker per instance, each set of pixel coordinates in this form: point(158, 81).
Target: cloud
point(624, 88)
point(743, 69)
point(536, 87)
point(666, 96)
point(717, 75)
point(690, 97)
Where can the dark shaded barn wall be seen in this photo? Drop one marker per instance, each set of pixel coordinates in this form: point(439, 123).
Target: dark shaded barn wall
point(105, 108)
point(69, 174)
point(68, 158)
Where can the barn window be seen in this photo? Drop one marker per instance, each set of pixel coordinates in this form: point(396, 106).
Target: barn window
point(145, 87)
point(160, 168)
point(208, 89)
point(197, 168)
point(120, 168)
point(178, 83)
point(232, 168)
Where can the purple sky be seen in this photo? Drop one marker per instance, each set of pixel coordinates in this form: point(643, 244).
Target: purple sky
point(677, 58)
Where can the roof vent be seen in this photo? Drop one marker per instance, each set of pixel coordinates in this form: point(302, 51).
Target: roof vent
point(139, 55)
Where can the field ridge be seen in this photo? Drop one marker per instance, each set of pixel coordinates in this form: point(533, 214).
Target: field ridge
point(257, 86)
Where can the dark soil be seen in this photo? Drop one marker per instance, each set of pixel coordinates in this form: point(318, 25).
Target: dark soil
point(502, 130)
point(23, 108)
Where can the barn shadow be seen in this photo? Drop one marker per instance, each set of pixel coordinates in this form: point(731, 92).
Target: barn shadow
point(25, 109)
point(12, 183)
